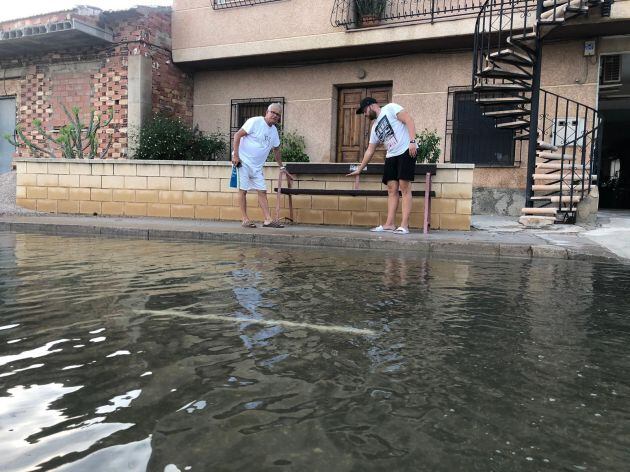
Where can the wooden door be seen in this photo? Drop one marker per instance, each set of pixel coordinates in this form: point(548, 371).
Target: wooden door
point(353, 132)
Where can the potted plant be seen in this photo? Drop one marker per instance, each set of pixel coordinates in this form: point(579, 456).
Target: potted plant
point(369, 12)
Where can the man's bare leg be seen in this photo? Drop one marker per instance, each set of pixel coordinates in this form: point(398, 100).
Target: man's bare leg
point(242, 200)
point(392, 204)
point(405, 189)
point(264, 205)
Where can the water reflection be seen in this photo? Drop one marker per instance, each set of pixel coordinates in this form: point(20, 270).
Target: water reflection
point(136, 355)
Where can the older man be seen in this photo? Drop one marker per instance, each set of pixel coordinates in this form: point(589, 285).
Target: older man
point(252, 144)
point(395, 128)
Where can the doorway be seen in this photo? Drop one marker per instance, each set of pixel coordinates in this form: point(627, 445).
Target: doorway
point(353, 133)
point(7, 126)
point(614, 107)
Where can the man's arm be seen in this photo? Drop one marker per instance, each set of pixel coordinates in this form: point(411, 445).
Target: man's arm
point(241, 133)
point(369, 152)
point(406, 118)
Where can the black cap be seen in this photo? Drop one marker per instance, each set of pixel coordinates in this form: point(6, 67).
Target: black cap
point(366, 102)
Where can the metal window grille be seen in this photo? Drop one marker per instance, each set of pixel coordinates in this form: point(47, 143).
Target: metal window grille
point(243, 109)
point(220, 4)
point(471, 137)
point(611, 69)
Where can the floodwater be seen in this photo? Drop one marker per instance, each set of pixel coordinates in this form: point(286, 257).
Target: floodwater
point(124, 355)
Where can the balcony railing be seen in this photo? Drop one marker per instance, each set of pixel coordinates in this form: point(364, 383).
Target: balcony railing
point(345, 12)
point(221, 4)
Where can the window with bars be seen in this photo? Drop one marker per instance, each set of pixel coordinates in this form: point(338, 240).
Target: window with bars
point(471, 137)
point(243, 109)
point(611, 69)
point(220, 4)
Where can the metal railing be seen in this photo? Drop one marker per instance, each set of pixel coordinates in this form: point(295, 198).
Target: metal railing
point(345, 12)
point(221, 4)
point(576, 130)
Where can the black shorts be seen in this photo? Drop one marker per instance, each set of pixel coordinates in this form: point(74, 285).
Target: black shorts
point(401, 167)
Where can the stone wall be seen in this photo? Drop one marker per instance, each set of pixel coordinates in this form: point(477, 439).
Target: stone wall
point(200, 190)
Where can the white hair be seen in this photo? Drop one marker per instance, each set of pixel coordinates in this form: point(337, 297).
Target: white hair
point(277, 106)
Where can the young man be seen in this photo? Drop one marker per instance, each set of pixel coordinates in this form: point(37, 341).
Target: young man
point(252, 144)
point(395, 128)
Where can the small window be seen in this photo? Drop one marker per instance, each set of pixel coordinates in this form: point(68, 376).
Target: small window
point(245, 108)
point(220, 4)
point(611, 69)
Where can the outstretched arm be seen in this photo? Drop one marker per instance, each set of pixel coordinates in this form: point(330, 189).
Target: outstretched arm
point(369, 152)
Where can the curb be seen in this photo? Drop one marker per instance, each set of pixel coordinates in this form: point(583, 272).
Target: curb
point(426, 247)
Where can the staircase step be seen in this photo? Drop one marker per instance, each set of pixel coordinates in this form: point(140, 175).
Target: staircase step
point(503, 100)
point(557, 155)
point(560, 165)
point(556, 198)
point(524, 45)
point(510, 56)
point(513, 124)
point(554, 13)
point(486, 87)
point(494, 73)
point(543, 145)
point(506, 113)
point(556, 177)
point(558, 187)
point(539, 211)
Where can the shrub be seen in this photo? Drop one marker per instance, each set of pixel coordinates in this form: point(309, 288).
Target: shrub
point(428, 146)
point(167, 138)
point(293, 147)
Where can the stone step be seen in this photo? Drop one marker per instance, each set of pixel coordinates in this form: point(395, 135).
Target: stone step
point(510, 56)
point(565, 176)
point(558, 187)
point(539, 211)
point(513, 124)
point(561, 165)
point(557, 155)
point(556, 198)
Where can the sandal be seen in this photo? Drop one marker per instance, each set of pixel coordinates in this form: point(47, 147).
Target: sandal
point(380, 229)
point(401, 230)
point(273, 224)
point(248, 224)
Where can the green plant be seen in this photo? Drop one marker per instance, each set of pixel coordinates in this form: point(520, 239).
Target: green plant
point(75, 140)
point(374, 8)
point(292, 148)
point(428, 146)
point(167, 138)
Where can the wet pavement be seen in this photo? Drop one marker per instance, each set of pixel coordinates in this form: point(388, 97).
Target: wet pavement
point(489, 236)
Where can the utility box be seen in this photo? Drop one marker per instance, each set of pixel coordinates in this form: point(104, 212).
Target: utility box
point(566, 130)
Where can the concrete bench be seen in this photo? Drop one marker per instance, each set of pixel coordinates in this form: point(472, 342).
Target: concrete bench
point(342, 169)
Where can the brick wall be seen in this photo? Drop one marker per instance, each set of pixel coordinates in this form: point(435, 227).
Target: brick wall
point(96, 78)
point(200, 190)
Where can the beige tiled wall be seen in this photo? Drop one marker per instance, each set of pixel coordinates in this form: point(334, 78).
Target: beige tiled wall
point(201, 190)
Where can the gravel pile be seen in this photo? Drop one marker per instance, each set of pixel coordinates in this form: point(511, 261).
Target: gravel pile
point(7, 196)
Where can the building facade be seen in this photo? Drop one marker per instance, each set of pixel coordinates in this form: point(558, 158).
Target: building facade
point(320, 58)
point(116, 63)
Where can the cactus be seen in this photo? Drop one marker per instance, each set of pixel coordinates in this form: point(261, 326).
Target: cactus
point(76, 140)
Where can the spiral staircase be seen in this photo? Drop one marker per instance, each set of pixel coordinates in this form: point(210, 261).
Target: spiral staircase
point(562, 136)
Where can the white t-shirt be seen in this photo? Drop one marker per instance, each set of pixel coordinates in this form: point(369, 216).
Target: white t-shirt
point(254, 148)
point(390, 131)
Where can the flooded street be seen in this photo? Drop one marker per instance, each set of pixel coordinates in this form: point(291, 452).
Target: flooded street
point(121, 355)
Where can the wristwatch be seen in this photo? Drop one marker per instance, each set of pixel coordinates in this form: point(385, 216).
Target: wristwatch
point(413, 141)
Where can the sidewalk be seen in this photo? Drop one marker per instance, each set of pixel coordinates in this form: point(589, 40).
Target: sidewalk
point(490, 236)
